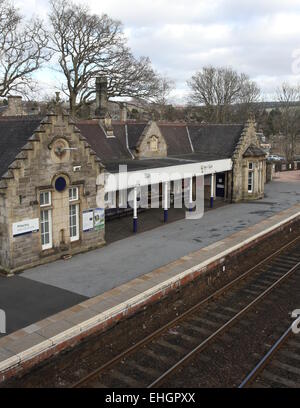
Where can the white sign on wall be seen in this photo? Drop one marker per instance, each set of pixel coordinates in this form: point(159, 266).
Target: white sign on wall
point(99, 219)
point(25, 227)
point(88, 220)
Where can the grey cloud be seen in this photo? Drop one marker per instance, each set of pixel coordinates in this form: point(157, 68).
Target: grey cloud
point(256, 37)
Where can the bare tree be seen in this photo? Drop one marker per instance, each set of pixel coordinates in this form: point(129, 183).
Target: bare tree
point(128, 76)
point(87, 46)
point(22, 50)
point(288, 96)
point(166, 86)
point(219, 88)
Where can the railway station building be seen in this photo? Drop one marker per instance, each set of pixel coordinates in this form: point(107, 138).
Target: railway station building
point(52, 203)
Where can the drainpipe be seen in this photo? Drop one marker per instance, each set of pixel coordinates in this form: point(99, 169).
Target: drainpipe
point(231, 200)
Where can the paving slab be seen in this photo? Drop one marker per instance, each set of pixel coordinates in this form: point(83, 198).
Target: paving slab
point(24, 343)
point(5, 354)
point(100, 306)
point(54, 328)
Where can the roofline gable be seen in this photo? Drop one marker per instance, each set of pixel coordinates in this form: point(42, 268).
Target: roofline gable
point(22, 156)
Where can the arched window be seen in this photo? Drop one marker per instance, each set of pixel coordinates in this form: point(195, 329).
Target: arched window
point(154, 144)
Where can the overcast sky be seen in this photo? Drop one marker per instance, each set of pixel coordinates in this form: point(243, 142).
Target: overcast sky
point(258, 37)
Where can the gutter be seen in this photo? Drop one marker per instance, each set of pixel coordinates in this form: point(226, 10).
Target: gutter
point(232, 173)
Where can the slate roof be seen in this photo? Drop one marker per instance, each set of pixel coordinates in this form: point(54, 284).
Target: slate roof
point(3, 109)
point(218, 140)
point(135, 131)
point(177, 139)
point(210, 142)
point(254, 151)
point(107, 149)
point(14, 133)
point(120, 133)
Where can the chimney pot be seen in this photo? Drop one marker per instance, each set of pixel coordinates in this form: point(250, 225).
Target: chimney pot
point(101, 97)
point(123, 112)
point(14, 106)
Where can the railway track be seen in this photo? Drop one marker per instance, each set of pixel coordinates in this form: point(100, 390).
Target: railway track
point(279, 367)
point(153, 361)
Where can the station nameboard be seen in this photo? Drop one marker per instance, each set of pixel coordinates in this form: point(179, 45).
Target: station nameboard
point(25, 227)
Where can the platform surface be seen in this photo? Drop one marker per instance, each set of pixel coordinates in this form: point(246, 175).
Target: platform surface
point(97, 271)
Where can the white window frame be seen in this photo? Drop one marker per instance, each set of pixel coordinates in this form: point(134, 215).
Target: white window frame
point(259, 176)
point(110, 198)
point(77, 236)
point(73, 197)
point(122, 199)
point(250, 174)
point(48, 245)
point(43, 193)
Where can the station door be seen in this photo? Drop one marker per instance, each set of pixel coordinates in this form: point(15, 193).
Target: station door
point(220, 187)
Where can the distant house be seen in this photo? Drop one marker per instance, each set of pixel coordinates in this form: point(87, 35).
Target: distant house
point(17, 107)
point(265, 146)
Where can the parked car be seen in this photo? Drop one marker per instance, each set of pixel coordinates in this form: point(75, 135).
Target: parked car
point(275, 157)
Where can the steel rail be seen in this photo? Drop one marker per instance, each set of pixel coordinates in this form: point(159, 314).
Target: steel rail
point(266, 359)
point(173, 322)
point(225, 326)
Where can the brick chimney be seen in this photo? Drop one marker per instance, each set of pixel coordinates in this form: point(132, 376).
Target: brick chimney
point(123, 112)
point(101, 111)
point(14, 107)
point(101, 98)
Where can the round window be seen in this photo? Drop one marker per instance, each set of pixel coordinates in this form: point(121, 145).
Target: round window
point(60, 184)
